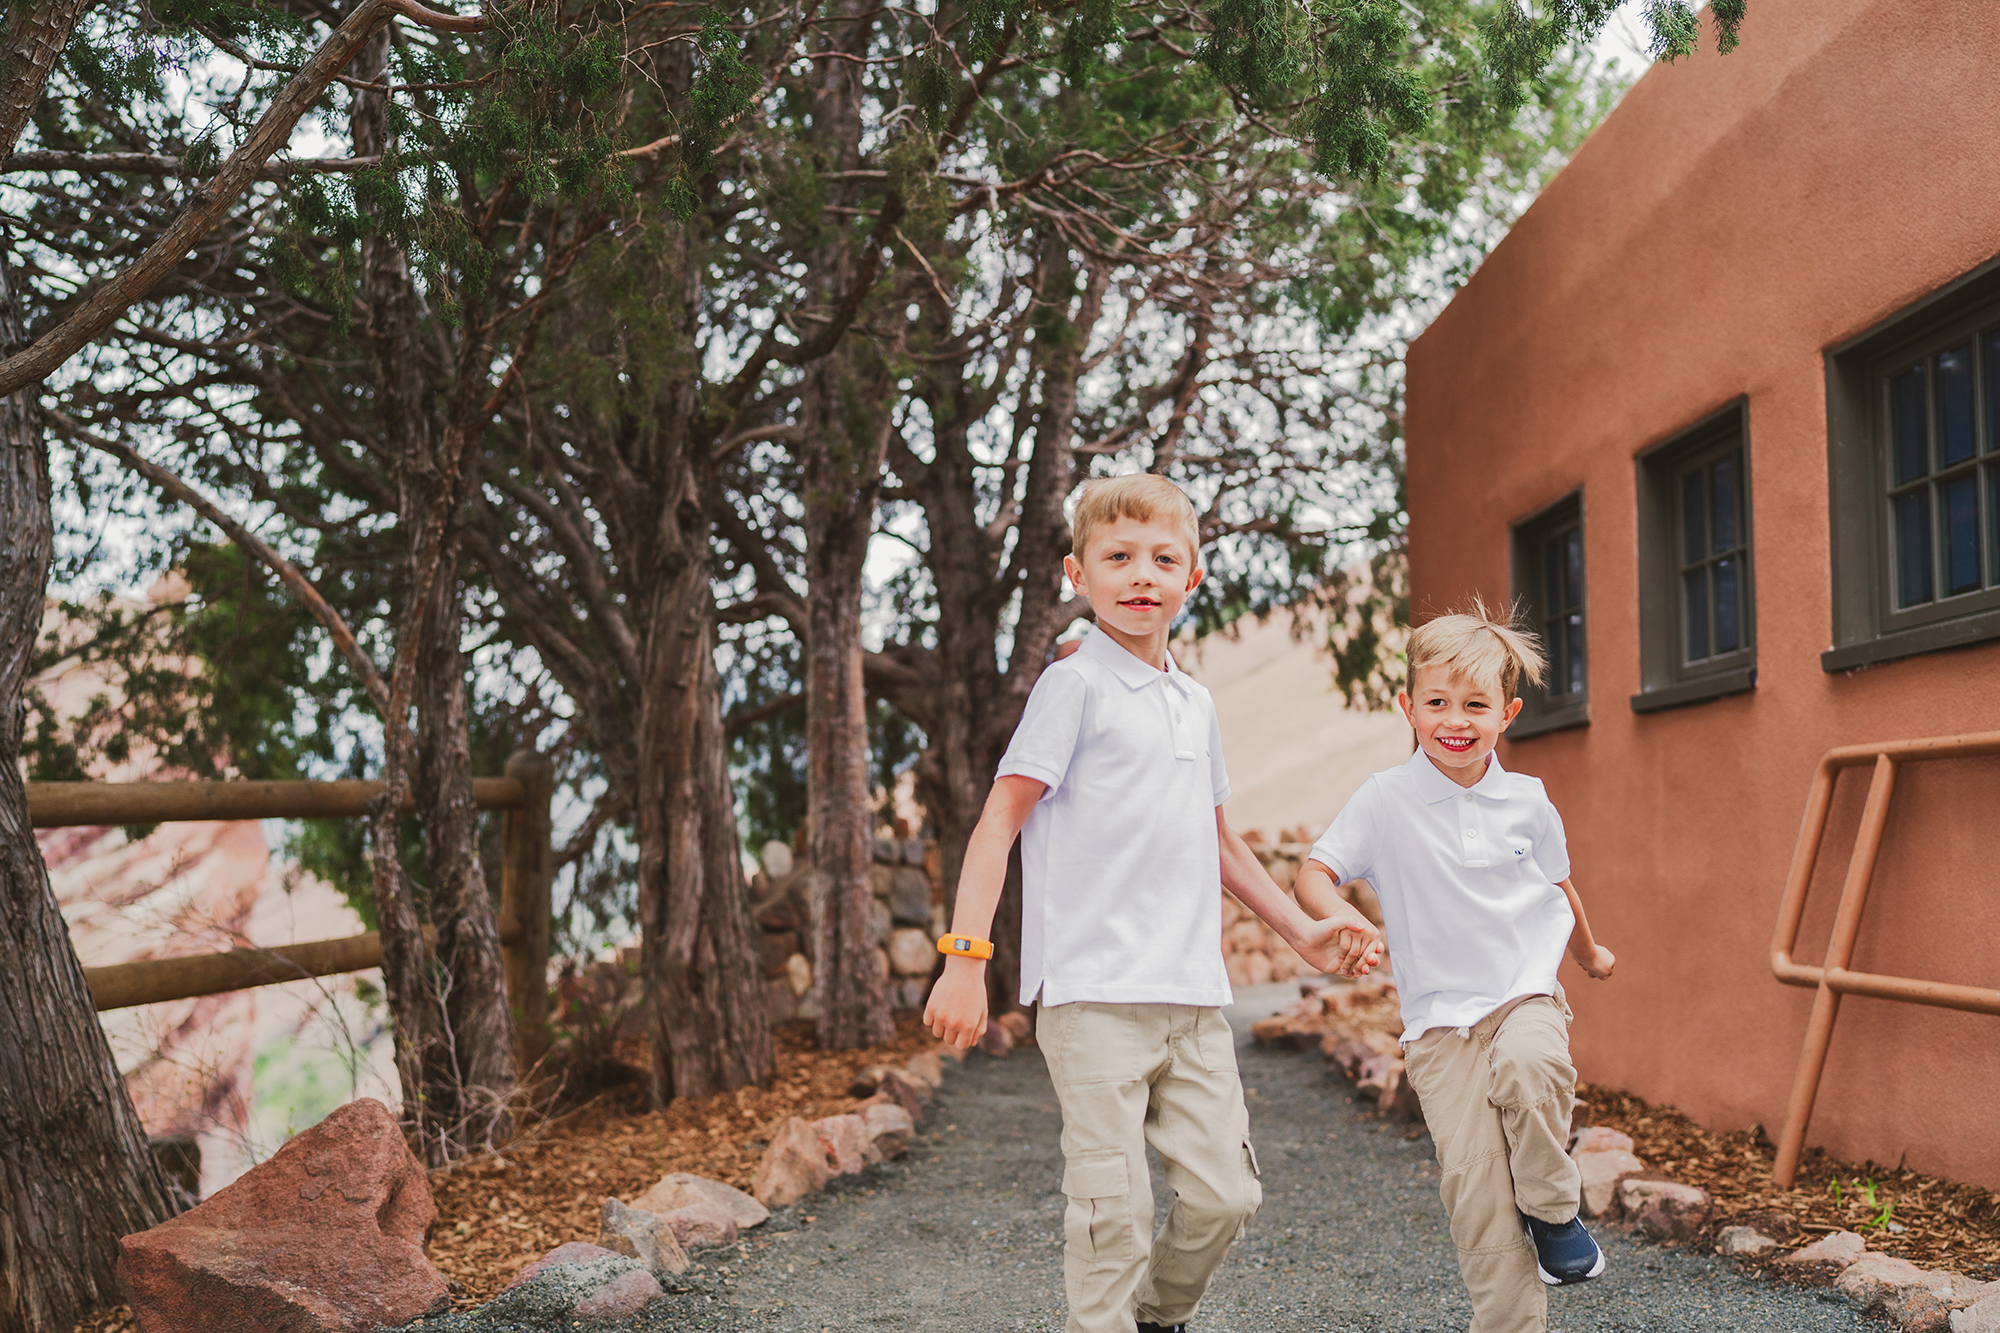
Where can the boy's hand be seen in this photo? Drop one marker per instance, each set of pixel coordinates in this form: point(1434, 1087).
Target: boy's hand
point(957, 1009)
point(1346, 944)
point(1596, 961)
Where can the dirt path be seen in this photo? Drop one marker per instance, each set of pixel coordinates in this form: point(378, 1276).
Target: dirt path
point(965, 1234)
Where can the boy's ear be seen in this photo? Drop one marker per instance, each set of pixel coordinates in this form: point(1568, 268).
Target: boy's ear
point(1408, 711)
point(1074, 568)
point(1194, 577)
point(1512, 711)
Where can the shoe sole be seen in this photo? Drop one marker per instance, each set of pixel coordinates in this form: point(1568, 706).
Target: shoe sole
point(1553, 1281)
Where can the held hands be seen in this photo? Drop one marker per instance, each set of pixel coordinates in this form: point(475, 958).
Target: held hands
point(1346, 944)
point(957, 1009)
point(1595, 960)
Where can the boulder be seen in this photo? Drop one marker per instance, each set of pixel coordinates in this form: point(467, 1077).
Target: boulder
point(890, 1128)
point(1776, 1223)
point(1601, 1140)
point(794, 1166)
point(683, 1189)
point(898, 1087)
point(909, 992)
point(845, 1141)
point(885, 924)
point(325, 1237)
point(1019, 1026)
point(867, 1080)
point(702, 1225)
point(911, 953)
point(1743, 1243)
point(910, 896)
point(1982, 1316)
point(776, 858)
point(926, 1067)
point(914, 852)
point(880, 879)
point(1602, 1169)
point(638, 1234)
point(1376, 1071)
point(1915, 1299)
point(799, 973)
point(888, 851)
point(1344, 1050)
point(774, 949)
point(1837, 1250)
point(776, 913)
point(577, 1281)
point(1662, 1209)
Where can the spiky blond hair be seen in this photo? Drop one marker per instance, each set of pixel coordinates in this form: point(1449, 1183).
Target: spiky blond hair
point(1481, 646)
point(1141, 495)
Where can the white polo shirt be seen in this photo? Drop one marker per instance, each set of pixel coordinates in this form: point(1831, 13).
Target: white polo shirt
point(1121, 877)
point(1468, 879)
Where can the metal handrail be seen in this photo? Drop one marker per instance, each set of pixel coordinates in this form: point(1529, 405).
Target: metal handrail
point(1833, 979)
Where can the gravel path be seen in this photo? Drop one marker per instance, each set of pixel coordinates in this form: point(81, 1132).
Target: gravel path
point(966, 1233)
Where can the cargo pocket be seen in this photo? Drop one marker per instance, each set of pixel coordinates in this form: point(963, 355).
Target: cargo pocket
point(1253, 1188)
point(1098, 1221)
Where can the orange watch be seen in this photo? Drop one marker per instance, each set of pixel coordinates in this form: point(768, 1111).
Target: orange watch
point(964, 946)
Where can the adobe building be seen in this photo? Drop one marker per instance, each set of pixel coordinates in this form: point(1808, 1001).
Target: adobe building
point(1723, 412)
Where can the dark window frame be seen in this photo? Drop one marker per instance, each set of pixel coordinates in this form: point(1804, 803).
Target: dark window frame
point(1667, 678)
point(1528, 539)
point(1868, 625)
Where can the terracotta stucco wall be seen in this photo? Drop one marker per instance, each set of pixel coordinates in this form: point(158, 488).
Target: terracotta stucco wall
point(1735, 217)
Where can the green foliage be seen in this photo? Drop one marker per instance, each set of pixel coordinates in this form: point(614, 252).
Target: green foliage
point(932, 86)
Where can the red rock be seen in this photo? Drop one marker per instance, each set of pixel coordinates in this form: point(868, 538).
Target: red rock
point(926, 1067)
point(683, 1189)
point(1601, 1140)
point(1346, 1052)
point(890, 1128)
point(1602, 1170)
point(1019, 1027)
point(1662, 1209)
point(621, 1295)
point(701, 1225)
point(904, 1091)
point(845, 1140)
point(562, 1256)
point(1835, 1251)
point(794, 1166)
point(998, 1041)
point(641, 1235)
point(1376, 1071)
point(325, 1237)
point(1917, 1300)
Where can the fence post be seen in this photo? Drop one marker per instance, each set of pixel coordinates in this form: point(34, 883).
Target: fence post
point(527, 870)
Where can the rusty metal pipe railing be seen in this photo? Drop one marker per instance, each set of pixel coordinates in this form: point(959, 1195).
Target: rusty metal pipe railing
point(1832, 980)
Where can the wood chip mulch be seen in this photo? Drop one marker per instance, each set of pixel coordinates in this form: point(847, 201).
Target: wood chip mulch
point(1931, 1222)
point(499, 1213)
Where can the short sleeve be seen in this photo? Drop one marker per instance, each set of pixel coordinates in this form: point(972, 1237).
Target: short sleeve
point(1347, 848)
point(1046, 737)
point(1218, 772)
point(1552, 844)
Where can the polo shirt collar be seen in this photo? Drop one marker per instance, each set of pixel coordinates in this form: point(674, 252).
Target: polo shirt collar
point(1115, 658)
point(1434, 786)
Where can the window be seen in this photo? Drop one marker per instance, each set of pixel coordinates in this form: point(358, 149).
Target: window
point(1697, 614)
point(1549, 585)
point(1914, 478)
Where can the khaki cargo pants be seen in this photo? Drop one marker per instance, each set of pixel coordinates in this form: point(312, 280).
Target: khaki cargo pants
point(1128, 1075)
point(1497, 1101)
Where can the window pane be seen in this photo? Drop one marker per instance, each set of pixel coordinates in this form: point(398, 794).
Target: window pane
point(1913, 548)
point(1993, 517)
point(1694, 584)
point(1954, 396)
point(1575, 653)
point(1573, 569)
point(1991, 345)
point(1694, 519)
point(1724, 472)
point(1961, 534)
point(1727, 606)
point(1906, 425)
point(1552, 635)
point(1552, 601)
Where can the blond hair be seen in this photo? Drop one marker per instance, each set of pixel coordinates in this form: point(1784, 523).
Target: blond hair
point(1475, 643)
point(1141, 495)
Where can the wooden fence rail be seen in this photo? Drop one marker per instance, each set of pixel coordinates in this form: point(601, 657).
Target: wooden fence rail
point(527, 869)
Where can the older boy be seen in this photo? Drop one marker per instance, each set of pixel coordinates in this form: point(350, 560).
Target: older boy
point(1473, 872)
point(1116, 774)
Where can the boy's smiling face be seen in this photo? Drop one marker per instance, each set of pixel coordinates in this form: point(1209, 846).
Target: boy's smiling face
point(1458, 719)
point(1137, 574)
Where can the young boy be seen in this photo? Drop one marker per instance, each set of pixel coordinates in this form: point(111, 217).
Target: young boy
point(1116, 774)
point(1473, 872)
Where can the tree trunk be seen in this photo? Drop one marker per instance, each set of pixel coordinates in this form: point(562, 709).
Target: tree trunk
point(468, 936)
point(709, 1030)
point(842, 473)
point(75, 1171)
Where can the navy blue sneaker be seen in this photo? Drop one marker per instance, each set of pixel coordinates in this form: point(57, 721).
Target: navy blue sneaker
point(1564, 1251)
point(1145, 1327)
